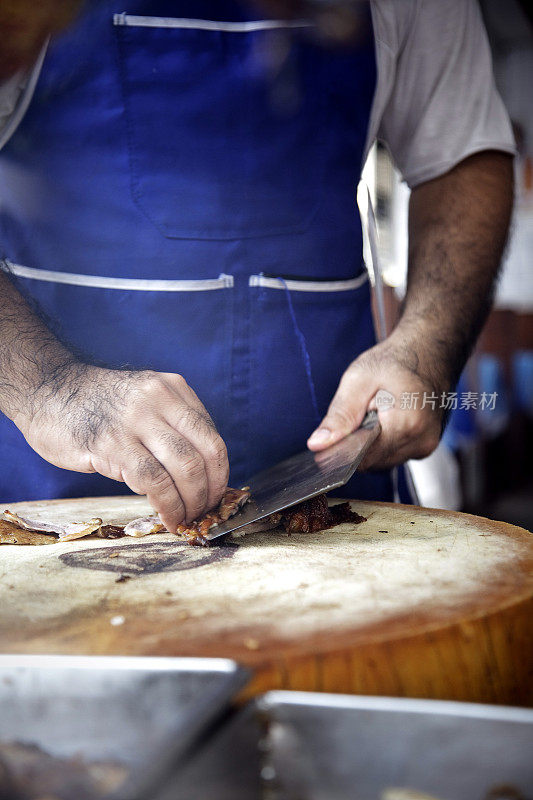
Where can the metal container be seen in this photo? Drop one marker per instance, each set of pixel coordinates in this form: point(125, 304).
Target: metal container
point(146, 713)
point(307, 746)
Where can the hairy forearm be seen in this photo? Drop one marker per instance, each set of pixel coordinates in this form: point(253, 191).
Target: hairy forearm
point(32, 360)
point(457, 230)
point(458, 225)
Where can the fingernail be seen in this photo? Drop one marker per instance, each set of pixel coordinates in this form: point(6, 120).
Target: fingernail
point(320, 436)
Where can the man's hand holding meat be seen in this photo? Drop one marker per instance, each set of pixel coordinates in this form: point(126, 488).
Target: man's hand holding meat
point(144, 428)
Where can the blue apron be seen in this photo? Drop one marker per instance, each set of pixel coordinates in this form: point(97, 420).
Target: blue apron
point(180, 199)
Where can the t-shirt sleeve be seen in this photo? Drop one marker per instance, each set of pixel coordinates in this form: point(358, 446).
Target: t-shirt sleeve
point(444, 105)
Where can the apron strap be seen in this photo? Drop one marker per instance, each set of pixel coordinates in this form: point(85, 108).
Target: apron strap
point(368, 221)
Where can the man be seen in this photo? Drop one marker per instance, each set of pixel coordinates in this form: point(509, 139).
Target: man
point(183, 256)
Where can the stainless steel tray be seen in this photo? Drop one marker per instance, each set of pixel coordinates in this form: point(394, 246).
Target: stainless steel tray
point(306, 746)
point(147, 713)
point(327, 747)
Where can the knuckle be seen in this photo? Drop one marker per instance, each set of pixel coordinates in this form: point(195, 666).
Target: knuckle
point(133, 481)
point(193, 469)
point(217, 452)
point(151, 384)
point(208, 422)
point(178, 380)
point(150, 471)
point(175, 384)
point(178, 446)
point(193, 421)
point(183, 418)
point(106, 466)
point(198, 422)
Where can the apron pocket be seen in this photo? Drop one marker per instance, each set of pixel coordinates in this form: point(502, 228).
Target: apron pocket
point(303, 336)
point(169, 326)
point(217, 150)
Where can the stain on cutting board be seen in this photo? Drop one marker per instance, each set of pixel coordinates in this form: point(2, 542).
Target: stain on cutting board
point(148, 558)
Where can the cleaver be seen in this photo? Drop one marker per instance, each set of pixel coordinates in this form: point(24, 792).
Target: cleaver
point(303, 476)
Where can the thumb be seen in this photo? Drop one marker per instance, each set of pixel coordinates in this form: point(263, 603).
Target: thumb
point(346, 410)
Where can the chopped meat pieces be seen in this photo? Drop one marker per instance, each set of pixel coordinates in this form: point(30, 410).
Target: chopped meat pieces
point(144, 526)
point(194, 533)
point(315, 515)
point(111, 532)
point(14, 534)
point(308, 517)
point(231, 503)
point(67, 532)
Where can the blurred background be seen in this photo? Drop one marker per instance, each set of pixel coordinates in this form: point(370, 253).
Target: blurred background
point(484, 463)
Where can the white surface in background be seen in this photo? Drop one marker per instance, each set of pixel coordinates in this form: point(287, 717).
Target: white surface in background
point(436, 479)
point(515, 289)
point(395, 273)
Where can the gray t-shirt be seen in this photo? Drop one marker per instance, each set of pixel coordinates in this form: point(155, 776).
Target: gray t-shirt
point(435, 101)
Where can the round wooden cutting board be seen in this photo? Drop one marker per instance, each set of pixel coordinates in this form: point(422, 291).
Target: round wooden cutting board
point(413, 602)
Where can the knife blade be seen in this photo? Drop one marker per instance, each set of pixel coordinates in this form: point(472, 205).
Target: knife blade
point(303, 476)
